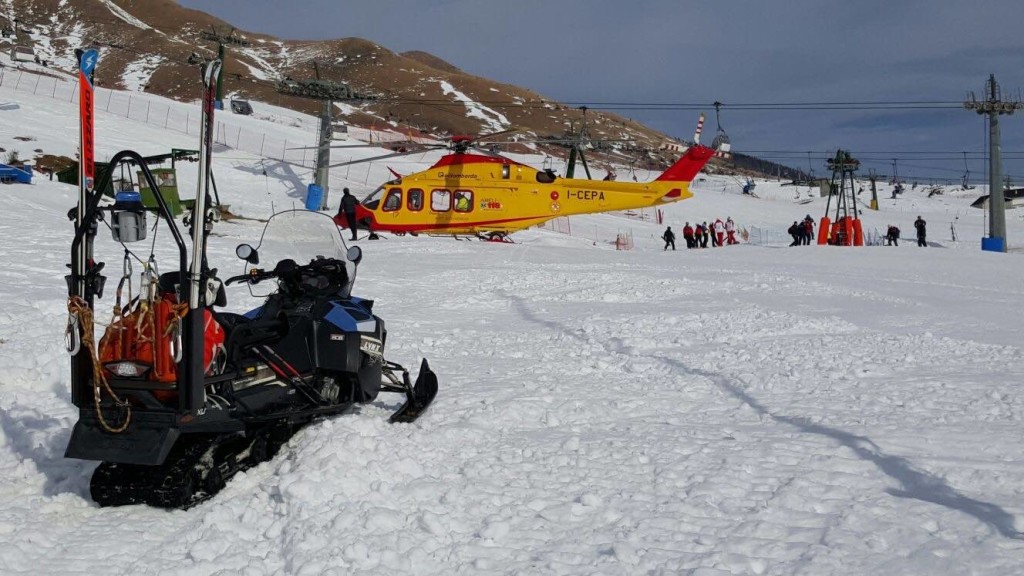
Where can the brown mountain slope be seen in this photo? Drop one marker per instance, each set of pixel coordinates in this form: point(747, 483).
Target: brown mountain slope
point(146, 45)
point(431, 60)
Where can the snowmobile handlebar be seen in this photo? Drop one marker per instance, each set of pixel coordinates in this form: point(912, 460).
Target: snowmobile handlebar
point(254, 276)
point(321, 275)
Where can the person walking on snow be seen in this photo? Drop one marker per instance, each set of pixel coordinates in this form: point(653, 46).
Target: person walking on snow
point(919, 225)
point(808, 230)
point(796, 231)
point(730, 230)
point(670, 238)
point(348, 208)
point(704, 234)
point(719, 232)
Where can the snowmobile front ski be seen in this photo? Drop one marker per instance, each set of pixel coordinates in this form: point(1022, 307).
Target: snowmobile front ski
point(418, 397)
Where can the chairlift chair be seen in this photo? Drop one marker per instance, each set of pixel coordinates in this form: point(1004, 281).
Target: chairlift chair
point(721, 143)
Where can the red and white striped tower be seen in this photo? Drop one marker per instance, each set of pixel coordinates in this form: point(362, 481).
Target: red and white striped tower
point(700, 128)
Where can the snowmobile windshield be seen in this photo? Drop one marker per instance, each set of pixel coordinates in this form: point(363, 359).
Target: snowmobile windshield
point(300, 236)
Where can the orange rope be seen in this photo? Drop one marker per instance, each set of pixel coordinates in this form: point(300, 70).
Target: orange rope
point(78, 306)
point(179, 311)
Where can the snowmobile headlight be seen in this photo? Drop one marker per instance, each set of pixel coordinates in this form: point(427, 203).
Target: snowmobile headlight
point(126, 369)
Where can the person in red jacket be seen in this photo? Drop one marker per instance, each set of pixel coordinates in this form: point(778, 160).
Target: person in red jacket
point(688, 235)
point(808, 230)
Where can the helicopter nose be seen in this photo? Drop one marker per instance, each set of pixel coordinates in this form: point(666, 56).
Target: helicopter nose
point(363, 213)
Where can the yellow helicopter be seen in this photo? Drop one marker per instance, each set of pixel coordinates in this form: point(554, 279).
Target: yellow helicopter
point(491, 196)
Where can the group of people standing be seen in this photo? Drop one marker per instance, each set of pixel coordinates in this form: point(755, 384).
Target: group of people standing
point(718, 232)
point(802, 231)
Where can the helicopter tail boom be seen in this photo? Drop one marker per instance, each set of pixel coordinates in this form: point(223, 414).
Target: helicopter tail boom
point(687, 167)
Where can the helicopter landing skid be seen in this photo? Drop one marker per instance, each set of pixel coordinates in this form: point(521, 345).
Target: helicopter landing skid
point(496, 237)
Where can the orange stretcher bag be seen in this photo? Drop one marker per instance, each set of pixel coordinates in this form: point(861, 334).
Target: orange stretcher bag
point(139, 344)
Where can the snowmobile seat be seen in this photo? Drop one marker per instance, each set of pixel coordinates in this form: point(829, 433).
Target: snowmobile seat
point(171, 282)
point(243, 332)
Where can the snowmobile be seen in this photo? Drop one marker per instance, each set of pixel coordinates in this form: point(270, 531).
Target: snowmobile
point(177, 395)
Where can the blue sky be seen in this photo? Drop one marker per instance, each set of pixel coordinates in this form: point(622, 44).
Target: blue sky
point(735, 52)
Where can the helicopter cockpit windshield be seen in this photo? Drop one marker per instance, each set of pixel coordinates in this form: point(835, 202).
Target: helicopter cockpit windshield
point(372, 200)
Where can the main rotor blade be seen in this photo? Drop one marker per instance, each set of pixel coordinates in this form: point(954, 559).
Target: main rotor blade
point(487, 152)
point(373, 158)
point(493, 134)
point(378, 145)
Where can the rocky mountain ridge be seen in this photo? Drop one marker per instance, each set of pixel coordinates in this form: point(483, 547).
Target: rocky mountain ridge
point(154, 46)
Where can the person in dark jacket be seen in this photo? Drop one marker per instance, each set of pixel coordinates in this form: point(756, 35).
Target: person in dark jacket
point(348, 208)
point(919, 225)
point(893, 236)
point(670, 238)
point(797, 232)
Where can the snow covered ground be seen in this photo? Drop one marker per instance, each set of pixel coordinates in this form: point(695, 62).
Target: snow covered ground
point(740, 410)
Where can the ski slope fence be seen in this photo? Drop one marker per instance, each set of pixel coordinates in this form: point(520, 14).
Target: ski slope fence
point(143, 108)
point(560, 225)
point(775, 236)
point(768, 236)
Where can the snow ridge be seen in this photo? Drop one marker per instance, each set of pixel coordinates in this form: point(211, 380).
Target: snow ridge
point(124, 15)
point(496, 121)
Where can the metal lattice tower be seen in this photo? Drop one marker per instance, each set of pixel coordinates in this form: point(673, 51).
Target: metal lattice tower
point(843, 166)
point(845, 228)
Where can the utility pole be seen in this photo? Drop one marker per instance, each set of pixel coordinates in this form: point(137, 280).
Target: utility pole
point(994, 107)
point(222, 42)
point(874, 189)
point(578, 141)
point(323, 151)
point(221, 54)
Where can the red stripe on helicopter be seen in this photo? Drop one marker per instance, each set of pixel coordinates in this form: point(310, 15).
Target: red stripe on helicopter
point(451, 225)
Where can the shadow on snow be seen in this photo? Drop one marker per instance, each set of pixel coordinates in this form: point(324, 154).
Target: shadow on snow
point(915, 484)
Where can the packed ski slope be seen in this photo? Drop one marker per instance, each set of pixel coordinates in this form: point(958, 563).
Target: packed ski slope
point(739, 410)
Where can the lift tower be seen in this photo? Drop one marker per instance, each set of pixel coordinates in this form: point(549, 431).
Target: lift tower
point(328, 93)
point(222, 43)
point(994, 107)
point(845, 229)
